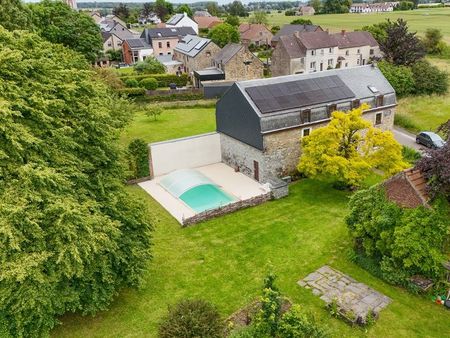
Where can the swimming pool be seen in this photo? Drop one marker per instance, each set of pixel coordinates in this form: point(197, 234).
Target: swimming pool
point(206, 197)
point(196, 190)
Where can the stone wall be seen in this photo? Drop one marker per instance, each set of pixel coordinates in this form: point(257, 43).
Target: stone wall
point(281, 61)
point(240, 156)
point(200, 61)
point(236, 70)
point(205, 215)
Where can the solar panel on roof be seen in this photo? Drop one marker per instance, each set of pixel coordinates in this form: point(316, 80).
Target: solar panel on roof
point(300, 93)
point(200, 44)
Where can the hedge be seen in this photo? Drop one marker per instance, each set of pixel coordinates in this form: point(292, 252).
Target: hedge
point(138, 159)
point(131, 92)
point(174, 97)
point(163, 79)
point(149, 83)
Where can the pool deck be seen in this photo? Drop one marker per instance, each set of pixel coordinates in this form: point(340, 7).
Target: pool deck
point(234, 183)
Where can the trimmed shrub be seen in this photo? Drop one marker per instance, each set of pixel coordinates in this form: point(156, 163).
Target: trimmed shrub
point(192, 318)
point(150, 65)
point(429, 79)
point(131, 83)
point(149, 83)
point(138, 158)
point(174, 97)
point(131, 92)
point(163, 79)
point(400, 77)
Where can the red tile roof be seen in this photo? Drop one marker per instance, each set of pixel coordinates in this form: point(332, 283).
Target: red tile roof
point(252, 32)
point(207, 21)
point(407, 189)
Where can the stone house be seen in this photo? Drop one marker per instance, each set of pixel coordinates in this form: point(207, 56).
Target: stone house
point(261, 122)
point(195, 53)
point(182, 20)
point(305, 52)
point(356, 48)
point(289, 30)
point(135, 50)
point(164, 40)
point(380, 7)
point(111, 41)
point(306, 10)
point(309, 52)
point(256, 34)
point(238, 63)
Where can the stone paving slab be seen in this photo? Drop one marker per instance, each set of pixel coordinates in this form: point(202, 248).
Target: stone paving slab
point(349, 294)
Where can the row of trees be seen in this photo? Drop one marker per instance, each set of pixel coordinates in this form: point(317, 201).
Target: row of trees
point(72, 236)
point(404, 63)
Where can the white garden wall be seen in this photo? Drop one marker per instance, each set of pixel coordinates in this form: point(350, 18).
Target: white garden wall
point(183, 153)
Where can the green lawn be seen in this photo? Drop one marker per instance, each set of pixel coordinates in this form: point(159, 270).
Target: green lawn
point(418, 20)
point(224, 260)
point(173, 123)
point(418, 113)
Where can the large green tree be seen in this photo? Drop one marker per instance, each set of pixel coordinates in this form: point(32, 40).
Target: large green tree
point(184, 8)
point(224, 33)
point(70, 234)
point(336, 6)
point(13, 15)
point(58, 23)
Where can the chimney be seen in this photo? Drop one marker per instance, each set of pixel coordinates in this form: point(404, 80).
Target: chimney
point(297, 34)
point(343, 32)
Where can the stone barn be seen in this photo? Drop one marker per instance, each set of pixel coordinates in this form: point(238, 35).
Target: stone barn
point(261, 122)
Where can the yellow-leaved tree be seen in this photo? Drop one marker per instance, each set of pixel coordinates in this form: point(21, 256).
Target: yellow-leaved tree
point(349, 148)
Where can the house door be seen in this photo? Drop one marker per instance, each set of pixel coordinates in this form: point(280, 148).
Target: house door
point(321, 66)
point(256, 170)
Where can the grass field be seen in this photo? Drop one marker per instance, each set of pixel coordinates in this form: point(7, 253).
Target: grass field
point(418, 113)
point(224, 260)
point(173, 123)
point(418, 20)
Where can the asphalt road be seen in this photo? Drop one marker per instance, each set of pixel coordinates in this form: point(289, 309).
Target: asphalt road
point(407, 139)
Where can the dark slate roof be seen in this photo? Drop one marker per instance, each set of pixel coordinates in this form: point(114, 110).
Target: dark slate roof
point(316, 40)
point(291, 29)
point(354, 39)
point(292, 47)
point(328, 86)
point(227, 52)
point(105, 35)
point(166, 32)
point(138, 43)
point(175, 19)
point(191, 45)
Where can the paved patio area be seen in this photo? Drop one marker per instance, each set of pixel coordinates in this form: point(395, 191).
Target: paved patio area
point(349, 294)
point(234, 183)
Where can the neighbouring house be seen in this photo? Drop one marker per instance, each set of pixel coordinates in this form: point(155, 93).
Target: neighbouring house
point(356, 48)
point(201, 13)
point(306, 10)
point(379, 7)
point(135, 50)
point(207, 22)
point(305, 52)
point(111, 41)
point(171, 66)
point(308, 52)
point(238, 63)
point(96, 17)
point(152, 18)
point(261, 122)
point(408, 189)
point(288, 30)
point(195, 53)
point(164, 40)
point(182, 20)
point(255, 34)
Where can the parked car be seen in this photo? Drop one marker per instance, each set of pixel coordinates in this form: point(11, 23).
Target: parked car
point(122, 65)
point(430, 140)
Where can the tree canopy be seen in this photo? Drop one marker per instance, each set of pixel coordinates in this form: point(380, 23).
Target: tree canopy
point(236, 8)
point(401, 47)
point(71, 235)
point(259, 17)
point(184, 8)
point(336, 6)
point(150, 65)
point(58, 23)
point(301, 22)
point(14, 15)
point(122, 11)
point(163, 9)
point(348, 148)
point(223, 34)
